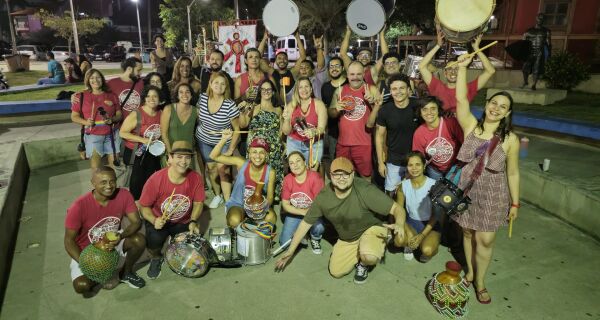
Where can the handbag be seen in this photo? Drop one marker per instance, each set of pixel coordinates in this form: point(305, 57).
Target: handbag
point(446, 194)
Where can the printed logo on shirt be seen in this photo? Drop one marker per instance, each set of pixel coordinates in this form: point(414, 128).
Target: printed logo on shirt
point(358, 112)
point(300, 200)
point(101, 227)
point(177, 207)
point(152, 130)
point(133, 103)
point(440, 150)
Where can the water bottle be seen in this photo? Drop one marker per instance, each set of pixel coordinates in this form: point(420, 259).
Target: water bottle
point(523, 148)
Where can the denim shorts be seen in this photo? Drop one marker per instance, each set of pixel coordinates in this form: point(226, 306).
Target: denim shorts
point(393, 176)
point(419, 225)
point(302, 147)
point(206, 149)
point(101, 144)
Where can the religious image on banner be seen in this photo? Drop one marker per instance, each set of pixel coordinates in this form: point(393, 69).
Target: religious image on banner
point(235, 40)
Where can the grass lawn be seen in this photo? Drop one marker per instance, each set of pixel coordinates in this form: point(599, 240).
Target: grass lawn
point(45, 94)
point(579, 106)
point(31, 77)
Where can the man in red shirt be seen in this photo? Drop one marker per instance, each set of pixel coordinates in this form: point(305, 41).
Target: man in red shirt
point(171, 202)
point(95, 213)
point(353, 107)
point(121, 86)
point(447, 92)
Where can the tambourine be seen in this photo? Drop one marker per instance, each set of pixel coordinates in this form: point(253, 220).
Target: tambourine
point(157, 148)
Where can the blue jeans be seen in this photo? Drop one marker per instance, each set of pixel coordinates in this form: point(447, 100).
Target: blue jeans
point(292, 222)
point(302, 147)
point(49, 81)
point(433, 173)
point(206, 149)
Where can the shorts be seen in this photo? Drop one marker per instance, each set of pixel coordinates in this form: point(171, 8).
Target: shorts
point(101, 144)
point(419, 225)
point(76, 271)
point(393, 176)
point(344, 255)
point(155, 239)
point(303, 147)
point(206, 149)
point(360, 157)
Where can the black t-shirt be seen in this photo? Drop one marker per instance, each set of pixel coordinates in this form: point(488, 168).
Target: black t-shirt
point(327, 92)
point(204, 73)
point(401, 124)
point(278, 76)
point(387, 95)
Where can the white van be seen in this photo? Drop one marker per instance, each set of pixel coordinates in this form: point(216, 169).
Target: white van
point(289, 46)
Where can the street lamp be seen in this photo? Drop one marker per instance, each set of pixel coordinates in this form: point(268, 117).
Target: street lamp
point(139, 28)
point(189, 7)
point(75, 35)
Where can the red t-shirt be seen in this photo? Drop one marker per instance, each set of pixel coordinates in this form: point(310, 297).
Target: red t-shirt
point(91, 103)
point(367, 76)
point(150, 126)
point(158, 190)
point(312, 120)
point(442, 149)
point(121, 88)
point(301, 195)
point(448, 96)
point(353, 124)
point(91, 220)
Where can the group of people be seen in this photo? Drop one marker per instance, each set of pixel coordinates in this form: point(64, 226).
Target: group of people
point(274, 119)
point(70, 71)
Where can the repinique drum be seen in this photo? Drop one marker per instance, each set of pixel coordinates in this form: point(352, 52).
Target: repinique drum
point(448, 292)
point(252, 248)
point(187, 254)
point(449, 197)
point(411, 67)
point(156, 148)
point(220, 241)
point(365, 17)
point(463, 20)
point(281, 17)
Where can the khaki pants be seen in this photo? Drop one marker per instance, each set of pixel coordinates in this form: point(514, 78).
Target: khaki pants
point(345, 255)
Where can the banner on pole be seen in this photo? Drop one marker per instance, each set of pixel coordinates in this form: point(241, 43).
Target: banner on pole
point(235, 39)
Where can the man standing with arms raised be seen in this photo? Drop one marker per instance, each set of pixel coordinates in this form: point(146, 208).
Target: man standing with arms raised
point(281, 63)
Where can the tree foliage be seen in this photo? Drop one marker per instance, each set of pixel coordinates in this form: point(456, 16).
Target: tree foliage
point(63, 25)
point(564, 70)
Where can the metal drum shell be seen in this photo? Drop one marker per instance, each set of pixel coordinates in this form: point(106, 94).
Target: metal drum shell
point(251, 248)
point(185, 247)
point(220, 240)
point(450, 21)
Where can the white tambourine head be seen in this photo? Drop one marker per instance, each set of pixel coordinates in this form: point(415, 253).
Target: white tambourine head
point(281, 17)
point(365, 17)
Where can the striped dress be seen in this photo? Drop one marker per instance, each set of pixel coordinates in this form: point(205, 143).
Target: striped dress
point(490, 199)
point(217, 121)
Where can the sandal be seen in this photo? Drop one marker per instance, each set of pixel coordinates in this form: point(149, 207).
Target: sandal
point(478, 296)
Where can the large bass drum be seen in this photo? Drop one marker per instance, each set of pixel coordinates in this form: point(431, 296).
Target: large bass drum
point(463, 20)
point(281, 17)
point(367, 17)
point(252, 249)
point(188, 255)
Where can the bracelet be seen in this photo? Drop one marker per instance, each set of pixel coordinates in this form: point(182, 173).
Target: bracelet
point(515, 205)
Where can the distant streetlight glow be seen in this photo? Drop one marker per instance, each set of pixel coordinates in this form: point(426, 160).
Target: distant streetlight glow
point(137, 10)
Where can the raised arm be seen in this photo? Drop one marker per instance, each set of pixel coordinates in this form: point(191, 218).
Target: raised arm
point(380, 132)
point(488, 68)
point(466, 119)
point(217, 156)
point(384, 50)
point(286, 126)
point(320, 54)
point(344, 47)
point(264, 66)
point(425, 73)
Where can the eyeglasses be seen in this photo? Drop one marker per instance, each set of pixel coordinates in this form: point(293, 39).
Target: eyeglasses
point(364, 55)
point(266, 90)
point(391, 63)
point(335, 66)
point(340, 175)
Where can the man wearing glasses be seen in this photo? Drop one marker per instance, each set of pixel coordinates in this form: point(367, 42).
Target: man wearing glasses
point(447, 92)
point(338, 79)
point(391, 66)
point(351, 205)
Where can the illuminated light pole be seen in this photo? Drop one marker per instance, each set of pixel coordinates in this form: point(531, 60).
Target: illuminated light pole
point(137, 10)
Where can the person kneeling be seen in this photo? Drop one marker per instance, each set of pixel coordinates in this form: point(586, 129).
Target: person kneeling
point(422, 229)
point(94, 214)
point(171, 202)
point(350, 205)
point(253, 171)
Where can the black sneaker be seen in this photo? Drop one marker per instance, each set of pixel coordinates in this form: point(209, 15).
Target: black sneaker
point(316, 246)
point(133, 280)
point(154, 269)
point(362, 272)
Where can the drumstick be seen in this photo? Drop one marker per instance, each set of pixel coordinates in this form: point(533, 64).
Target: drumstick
point(510, 223)
point(168, 203)
point(221, 132)
point(451, 64)
point(175, 209)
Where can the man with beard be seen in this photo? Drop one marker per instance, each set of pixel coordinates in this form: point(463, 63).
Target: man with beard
point(447, 92)
point(352, 106)
point(364, 56)
point(350, 204)
point(171, 202)
point(203, 72)
point(94, 214)
point(395, 128)
point(338, 79)
point(127, 86)
point(281, 62)
point(307, 69)
point(391, 66)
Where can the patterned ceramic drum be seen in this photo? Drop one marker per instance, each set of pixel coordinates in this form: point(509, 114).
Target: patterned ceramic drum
point(448, 292)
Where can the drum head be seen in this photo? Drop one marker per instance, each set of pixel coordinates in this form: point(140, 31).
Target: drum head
point(365, 17)
point(186, 256)
point(281, 17)
point(464, 15)
point(157, 148)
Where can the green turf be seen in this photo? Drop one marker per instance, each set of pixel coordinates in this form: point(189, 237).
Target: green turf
point(45, 94)
point(31, 77)
point(579, 106)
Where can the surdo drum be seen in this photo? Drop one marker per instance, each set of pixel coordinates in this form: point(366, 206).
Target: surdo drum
point(463, 20)
point(188, 255)
point(252, 249)
point(367, 17)
point(281, 17)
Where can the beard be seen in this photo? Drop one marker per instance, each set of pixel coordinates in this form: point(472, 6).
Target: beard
point(335, 77)
point(215, 68)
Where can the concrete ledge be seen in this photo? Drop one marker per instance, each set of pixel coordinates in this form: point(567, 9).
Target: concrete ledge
point(527, 96)
point(17, 107)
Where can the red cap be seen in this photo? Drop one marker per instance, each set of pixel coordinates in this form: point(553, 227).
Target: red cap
point(259, 143)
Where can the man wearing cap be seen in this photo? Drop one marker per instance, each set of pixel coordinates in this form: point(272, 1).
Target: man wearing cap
point(364, 56)
point(251, 172)
point(351, 205)
point(171, 202)
point(281, 63)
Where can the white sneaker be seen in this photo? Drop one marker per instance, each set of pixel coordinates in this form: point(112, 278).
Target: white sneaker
point(216, 202)
point(408, 254)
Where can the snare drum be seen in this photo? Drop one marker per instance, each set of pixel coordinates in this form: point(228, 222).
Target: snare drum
point(187, 254)
point(365, 17)
point(281, 17)
point(156, 148)
point(251, 248)
point(463, 20)
point(220, 241)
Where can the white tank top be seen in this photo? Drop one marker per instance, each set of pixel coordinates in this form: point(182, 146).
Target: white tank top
point(417, 202)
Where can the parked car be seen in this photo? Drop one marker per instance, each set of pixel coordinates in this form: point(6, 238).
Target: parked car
point(5, 49)
point(99, 51)
point(458, 51)
point(289, 46)
point(61, 53)
point(116, 54)
point(35, 52)
point(131, 52)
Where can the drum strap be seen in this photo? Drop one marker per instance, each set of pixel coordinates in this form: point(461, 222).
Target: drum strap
point(481, 164)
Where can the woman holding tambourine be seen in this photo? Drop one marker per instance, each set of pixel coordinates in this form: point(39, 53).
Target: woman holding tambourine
point(140, 129)
point(495, 193)
point(304, 122)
